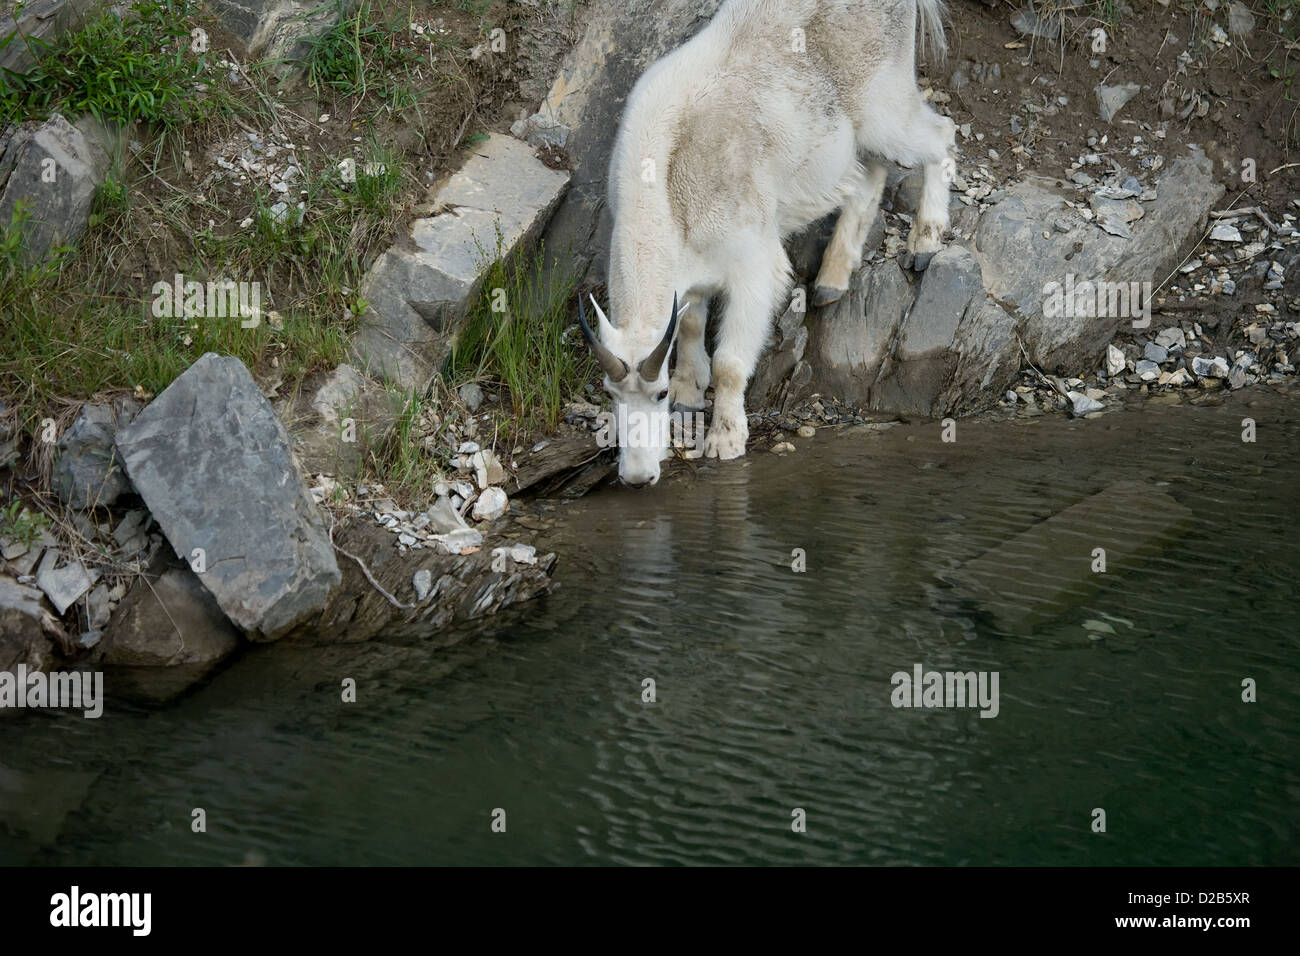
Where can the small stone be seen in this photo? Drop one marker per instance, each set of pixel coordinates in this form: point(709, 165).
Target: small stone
point(519, 553)
point(782, 448)
point(1115, 363)
point(1147, 371)
point(492, 504)
point(1172, 340)
point(443, 517)
point(1111, 99)
point(1226, 232)
point(1081, 404)
point(472, 395)
point(1210, 368)
point(460, 542)
point(11, 549)
point(98, 608)
point(1155, 353)
point(423, 583)
point(1238, 377)
point(807, 431)
point(1240, 20)
point(63, 586)
point(487, 468)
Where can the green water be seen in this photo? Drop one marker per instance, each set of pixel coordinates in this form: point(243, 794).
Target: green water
point(773, 687)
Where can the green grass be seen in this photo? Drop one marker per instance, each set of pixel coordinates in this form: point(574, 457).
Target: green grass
point(515, 337)
point(366, 53)
point(20, 525)
point(57, 341)
point(141, 67)
point(401, 461)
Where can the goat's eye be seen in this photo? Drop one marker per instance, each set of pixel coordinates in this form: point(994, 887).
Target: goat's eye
point(663, 396)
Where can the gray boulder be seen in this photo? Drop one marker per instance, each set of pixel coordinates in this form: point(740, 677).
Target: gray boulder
point(214, 465)
point(39, 21)
point(170, 622)
point(421, 290)
point(1017, 262)
point(52, 169)
point(926, 355)
point(849, 340)
point(87, 469)
point(280, 31)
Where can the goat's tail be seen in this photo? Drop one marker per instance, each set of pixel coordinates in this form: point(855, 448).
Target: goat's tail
point(930, 28)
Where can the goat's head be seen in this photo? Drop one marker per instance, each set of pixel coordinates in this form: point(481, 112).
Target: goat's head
point(638, 384)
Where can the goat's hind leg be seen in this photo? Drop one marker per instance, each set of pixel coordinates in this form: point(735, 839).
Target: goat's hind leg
point(863, 188)
point(934, 148)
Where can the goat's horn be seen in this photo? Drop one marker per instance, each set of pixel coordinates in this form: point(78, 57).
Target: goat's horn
point(614, 366)
point(654, 362)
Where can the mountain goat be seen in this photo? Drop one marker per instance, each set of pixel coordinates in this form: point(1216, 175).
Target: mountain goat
point(774, 115)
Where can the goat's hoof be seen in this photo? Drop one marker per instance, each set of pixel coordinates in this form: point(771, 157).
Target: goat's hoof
point(825, 295)
point(681, 408)
point(917, 261)
point(726, 440)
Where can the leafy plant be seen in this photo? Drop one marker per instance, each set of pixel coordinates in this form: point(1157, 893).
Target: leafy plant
point(20, 525)
point(136, 66)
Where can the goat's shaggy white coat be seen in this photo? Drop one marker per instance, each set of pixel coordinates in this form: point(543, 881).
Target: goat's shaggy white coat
point(777, 113)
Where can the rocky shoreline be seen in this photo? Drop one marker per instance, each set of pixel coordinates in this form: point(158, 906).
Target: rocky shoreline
point(212, 515)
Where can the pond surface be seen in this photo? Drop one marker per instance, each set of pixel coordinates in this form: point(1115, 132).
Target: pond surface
point(772, 686)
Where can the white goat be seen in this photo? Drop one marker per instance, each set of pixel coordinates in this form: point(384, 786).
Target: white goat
point(777, 113)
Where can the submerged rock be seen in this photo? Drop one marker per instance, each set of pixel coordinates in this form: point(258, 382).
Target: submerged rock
point(465, 587)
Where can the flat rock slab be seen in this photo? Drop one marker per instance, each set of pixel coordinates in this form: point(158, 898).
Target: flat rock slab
point(420, 291)
point(37, 21)
point(214, 465)
point(63, 585)
point(461, 588)
point(1044, 571)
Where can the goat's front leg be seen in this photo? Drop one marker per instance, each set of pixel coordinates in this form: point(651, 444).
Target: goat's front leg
point(691, 376)
point(751, 304)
